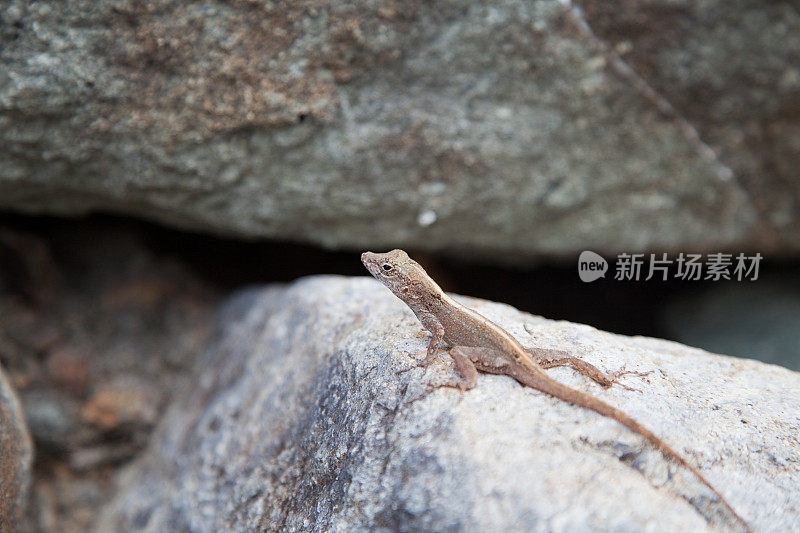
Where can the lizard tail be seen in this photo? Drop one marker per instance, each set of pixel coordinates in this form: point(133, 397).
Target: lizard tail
point(550, 386)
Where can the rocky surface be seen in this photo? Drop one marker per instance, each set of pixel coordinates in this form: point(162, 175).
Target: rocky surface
point(358, 124)
point(16, 455)
point(307, 413)
point(731, 69)
point(96, 330)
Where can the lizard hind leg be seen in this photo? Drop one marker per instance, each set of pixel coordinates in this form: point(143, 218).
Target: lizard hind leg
point(551, 358)
point(467, 370)
point(622, 372)
point(465, 367)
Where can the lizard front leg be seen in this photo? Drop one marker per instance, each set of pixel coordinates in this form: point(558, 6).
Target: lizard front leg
point(433, 325)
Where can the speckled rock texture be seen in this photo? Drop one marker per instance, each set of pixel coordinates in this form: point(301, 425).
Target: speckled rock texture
point(506, 131)
point(307, 413)
point(16, 455)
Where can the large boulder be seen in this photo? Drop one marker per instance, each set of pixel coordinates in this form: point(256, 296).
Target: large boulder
point(730, 68)
point(503, 131)
point(308, 413)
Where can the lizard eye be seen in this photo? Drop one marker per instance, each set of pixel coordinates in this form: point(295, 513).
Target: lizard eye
point(386, 267)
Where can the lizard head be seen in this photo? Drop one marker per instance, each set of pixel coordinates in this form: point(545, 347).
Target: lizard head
point(401, 274)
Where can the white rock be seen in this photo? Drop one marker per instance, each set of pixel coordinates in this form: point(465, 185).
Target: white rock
point(302, 418)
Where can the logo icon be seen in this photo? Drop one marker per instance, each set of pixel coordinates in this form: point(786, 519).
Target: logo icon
point(591, 266)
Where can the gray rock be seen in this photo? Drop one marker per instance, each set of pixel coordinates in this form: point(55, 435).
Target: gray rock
point(16, 456)
point(502, 131)
point(309, 414)
point(730, 68)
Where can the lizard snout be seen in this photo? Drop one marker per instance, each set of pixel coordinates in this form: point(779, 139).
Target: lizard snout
point(368, 259)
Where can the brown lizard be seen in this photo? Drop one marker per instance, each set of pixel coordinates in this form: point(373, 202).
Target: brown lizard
point(479, 344)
